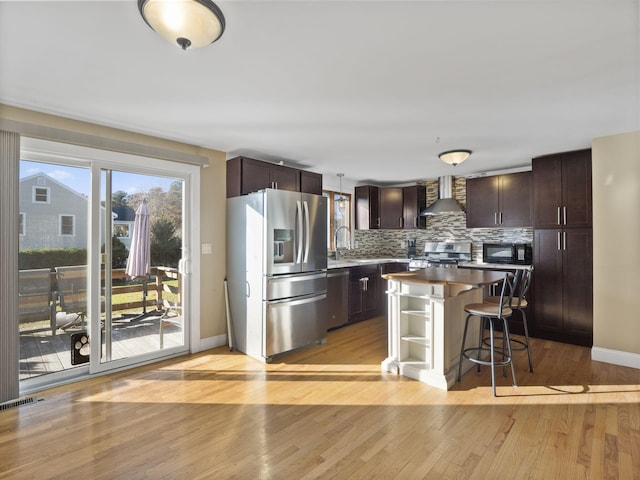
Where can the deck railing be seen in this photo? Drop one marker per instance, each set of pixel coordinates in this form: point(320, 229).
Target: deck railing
point(41, 298)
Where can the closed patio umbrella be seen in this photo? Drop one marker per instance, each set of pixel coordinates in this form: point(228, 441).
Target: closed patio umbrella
point(139, 260)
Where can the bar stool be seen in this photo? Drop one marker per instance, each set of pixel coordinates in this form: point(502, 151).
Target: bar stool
point(491, 313)
point(518, 302)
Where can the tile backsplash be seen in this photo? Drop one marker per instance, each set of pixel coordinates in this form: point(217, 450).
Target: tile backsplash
point(394, 243)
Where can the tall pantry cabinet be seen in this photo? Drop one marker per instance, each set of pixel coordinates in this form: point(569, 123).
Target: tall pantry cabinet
point(563, 247)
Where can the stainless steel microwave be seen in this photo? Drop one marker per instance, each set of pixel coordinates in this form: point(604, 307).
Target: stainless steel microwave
point(510, 253)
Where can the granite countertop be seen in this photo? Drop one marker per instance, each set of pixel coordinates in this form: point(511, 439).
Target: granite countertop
point(458, 276)
point(354, 262)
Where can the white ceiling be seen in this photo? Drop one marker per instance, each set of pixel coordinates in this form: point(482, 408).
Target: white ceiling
point(363, 87)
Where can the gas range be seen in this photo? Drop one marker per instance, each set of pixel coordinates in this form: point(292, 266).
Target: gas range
point(442, 255)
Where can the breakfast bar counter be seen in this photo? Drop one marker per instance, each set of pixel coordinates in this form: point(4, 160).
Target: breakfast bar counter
point(426, 320)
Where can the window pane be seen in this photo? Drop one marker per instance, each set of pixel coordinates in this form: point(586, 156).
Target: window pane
point(41, 195)
point(121, 230)
point(341, 211)
point(66, 224)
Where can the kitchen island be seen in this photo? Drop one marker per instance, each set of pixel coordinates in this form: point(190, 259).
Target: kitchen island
point(426, 321)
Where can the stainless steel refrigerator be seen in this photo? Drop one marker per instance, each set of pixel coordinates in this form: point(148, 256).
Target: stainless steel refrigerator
point(277, 271)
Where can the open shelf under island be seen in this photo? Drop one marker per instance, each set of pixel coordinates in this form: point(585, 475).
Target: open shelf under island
point(426, 321)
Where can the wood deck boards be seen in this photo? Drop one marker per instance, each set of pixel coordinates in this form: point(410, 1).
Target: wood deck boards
point(42, 353)
point(328, 412)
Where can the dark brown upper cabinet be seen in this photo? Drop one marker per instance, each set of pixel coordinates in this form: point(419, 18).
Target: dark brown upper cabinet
point(366, 207)
point(390, 207)
point(499, 201)
point(414, 200)
point(310, 182)
point(391, 211)
point(246, 175)
point(562, 190)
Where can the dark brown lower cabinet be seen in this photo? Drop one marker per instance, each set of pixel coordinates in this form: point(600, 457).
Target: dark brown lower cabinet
point(364, 292)
point(563, 285)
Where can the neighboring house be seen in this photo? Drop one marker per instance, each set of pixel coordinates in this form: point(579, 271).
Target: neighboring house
point(123, 218)
point(52, 215)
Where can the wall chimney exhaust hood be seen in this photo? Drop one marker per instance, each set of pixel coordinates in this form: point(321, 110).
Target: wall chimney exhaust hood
point(445, 204)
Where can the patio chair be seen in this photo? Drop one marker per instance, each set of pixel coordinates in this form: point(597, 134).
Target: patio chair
point(72, 292)
point(36, 298)
point(172, 308)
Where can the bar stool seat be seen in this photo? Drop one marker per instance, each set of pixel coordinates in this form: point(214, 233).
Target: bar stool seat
point(489, 309)
point(490, 313)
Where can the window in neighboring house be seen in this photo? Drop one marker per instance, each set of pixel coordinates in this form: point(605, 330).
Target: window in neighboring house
point(41, 195)
point(67, 225)
point(121, 230)
point(338, 215)
point(21, 224)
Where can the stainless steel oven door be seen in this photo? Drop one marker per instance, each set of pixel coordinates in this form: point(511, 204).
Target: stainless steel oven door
point(294, 323)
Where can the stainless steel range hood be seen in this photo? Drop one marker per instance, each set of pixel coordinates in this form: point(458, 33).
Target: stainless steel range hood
point(445, 204)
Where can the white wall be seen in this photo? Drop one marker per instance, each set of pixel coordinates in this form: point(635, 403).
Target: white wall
point(616, 248)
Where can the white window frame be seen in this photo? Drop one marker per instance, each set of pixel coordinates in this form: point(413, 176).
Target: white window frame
point(34, 199)
point(22, 224)
point(73, 225)
point(331, 215)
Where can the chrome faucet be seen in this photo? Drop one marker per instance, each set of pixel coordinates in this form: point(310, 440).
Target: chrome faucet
point(335, 240)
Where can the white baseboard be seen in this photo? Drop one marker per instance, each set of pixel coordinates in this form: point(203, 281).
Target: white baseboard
point(616, 357)
point(212, 342)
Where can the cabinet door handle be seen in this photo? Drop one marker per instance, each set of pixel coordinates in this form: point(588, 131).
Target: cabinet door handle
point(401, 222)
point(495, 218)
point(415, 222)
point(500, 218)
point(564, 215)
point(558, 221)
point(378, 222)
point(559, 241)
point(564, 240)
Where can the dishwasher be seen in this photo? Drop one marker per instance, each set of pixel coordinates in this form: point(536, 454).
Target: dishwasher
point(337, 296)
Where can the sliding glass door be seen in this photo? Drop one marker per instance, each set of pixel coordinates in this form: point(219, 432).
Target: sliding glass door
point(104, 263)
point(141, 276)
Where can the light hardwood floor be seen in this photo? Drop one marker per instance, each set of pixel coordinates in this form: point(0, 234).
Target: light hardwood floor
point(328, 412)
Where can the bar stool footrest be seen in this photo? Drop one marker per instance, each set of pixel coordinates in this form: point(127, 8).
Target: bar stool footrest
point(498, 343)
point(506, 359)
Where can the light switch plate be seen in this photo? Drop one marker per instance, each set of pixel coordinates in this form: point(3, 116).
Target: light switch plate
point(207, 249)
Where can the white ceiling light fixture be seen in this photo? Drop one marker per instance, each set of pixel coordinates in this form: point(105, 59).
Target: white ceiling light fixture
point(187, 23)
point(454, 157)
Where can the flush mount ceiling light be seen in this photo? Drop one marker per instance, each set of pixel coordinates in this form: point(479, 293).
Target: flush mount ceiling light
point(187, 23)
point(454, 157)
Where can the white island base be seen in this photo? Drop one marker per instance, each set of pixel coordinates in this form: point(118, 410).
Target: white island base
point(426, 323)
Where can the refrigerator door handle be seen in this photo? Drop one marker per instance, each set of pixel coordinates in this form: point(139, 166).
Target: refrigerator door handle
point(299, 233)
point(307, 232)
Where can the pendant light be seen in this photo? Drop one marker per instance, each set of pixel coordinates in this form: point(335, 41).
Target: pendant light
point(341, 201)
point(454, 157)
point(187, 23)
